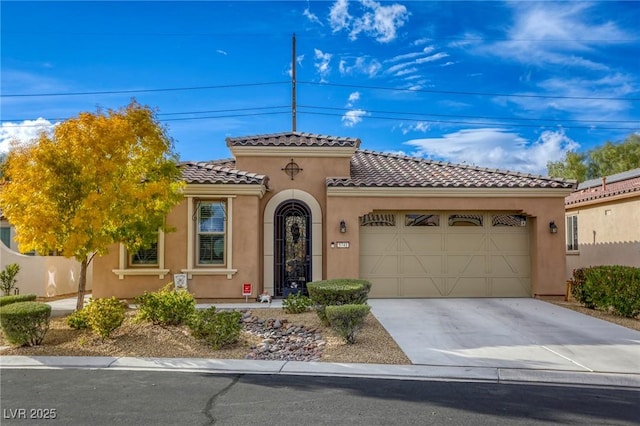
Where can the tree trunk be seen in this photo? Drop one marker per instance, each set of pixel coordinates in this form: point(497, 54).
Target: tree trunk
point(82, 284)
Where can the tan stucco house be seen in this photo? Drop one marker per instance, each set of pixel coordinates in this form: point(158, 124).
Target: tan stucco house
point(294, 207)
point(603, 222)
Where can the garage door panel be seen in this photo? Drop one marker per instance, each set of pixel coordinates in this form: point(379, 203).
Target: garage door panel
point(422, 265)
point(423, 243)
point(516, 265)
point(447, 261)
point(511, 287)
point(378, 265)
point(465, 242)
point(509, 242)
point(377, 243)
point(467, 287)
point(423, 287)
point(383, 287)
point(466, 265)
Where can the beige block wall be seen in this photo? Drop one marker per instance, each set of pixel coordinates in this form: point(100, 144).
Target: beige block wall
point(547, 251)
point(608, 234)
point(45, 276)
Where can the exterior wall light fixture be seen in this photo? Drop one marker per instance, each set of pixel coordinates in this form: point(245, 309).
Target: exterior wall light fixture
point(553, 228)
point(343, 226)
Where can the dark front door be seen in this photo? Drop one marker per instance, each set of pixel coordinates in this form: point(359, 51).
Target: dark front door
point(292, 251)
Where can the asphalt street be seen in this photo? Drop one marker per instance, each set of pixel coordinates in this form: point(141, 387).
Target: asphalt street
point(107, 397)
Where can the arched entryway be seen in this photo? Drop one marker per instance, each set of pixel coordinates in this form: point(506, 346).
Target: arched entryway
point(291, 203)
point(292, 247)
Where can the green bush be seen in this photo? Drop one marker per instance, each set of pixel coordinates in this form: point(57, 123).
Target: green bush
point(104, 315)
point(337, 292)
point(216, 328)
point(611, 288)
point(8, 278)
point(78, 320)
point(346, 320)
point(7, 300)
point(166, 306)
point(296, 303)
point(25, 323)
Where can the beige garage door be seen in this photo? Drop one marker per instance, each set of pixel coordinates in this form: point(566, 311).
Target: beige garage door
point(445, 254)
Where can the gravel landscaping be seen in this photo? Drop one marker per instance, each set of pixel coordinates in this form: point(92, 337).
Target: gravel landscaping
point(268, 333)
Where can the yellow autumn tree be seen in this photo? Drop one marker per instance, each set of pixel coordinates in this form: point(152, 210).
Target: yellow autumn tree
point(95, 180)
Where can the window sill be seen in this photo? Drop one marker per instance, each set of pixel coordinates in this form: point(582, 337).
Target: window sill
point(208, 271)
point(573, 253)
point(121, 273)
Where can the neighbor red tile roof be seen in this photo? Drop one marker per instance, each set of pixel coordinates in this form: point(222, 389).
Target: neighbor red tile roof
point(219, 173)
point(377, 169)
point(293, 139)
point(627, 183)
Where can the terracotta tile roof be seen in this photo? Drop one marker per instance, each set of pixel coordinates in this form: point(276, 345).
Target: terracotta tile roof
point(293, 139)
point(614, 185)
point(219, 173)
point(377, 169)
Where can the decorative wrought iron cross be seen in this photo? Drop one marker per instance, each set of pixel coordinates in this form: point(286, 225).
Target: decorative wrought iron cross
point(292, 169)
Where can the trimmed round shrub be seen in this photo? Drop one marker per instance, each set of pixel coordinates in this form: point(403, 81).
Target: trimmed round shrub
point(7, 300)
point(104, 315)
point(346, 320)
point(25, 323)
point(166, 306)
point(337, 292)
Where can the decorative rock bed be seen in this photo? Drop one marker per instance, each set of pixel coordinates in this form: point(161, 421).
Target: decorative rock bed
point(282, 340)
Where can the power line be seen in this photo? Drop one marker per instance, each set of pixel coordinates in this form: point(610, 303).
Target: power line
point(355, 86)
point(474, 123)
point(482, 117)
point(453, 92)
point(113, 92)
point(395, 115)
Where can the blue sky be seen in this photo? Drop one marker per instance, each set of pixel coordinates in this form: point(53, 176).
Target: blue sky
point(495, 84)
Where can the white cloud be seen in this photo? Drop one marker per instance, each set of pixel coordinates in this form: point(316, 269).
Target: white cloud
point(556, 33)
point(322, 63)
point(311, 16)
point(432, 58)
point(361, 65)
point(299, 60)
point(411, 55)
point(496, 148)
point(420, 126)
point(339, 17)
point(353, 117)
point(420, 41)
point(378, 21)
point(353, 98)
point(407, 71)
point(222, 52)
point(25, 131)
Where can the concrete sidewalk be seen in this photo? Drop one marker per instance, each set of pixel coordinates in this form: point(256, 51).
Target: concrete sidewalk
point(425, 344)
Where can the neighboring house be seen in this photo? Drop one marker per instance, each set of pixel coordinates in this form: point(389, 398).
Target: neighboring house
point(603, 222)
point(45, 276)
point(290, 208)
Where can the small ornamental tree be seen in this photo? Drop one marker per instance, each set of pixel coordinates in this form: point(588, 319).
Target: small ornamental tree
point(97, 179)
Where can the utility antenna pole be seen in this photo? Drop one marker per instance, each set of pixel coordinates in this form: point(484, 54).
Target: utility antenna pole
point(293, 83)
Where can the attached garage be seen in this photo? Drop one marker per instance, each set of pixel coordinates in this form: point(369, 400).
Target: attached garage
point(446, 254)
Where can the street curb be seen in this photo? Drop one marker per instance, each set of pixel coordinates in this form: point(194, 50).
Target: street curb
point(375, 371)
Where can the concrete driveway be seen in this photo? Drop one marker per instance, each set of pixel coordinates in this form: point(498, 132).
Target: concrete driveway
point(507, 333)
